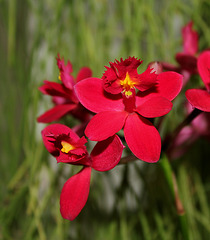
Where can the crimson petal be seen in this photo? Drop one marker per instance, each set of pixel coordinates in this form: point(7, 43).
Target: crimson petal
point(55, 89)
point(199, 99)
point(187, 62)
point(190, 39)
point(105, 124)
point(92, 96)
point(75, 193)
point(56, 113)
point(155, 107)
point(106, 154)
point(67, 80)
point(170, 84)
point(147, 79)
point(142, 138)
point(204, 68)
point(84, 72)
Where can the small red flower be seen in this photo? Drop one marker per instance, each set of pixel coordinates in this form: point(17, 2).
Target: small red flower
point(67, 147)
point(200, 98)
point(64, 144)
point(63, 94)
point(129, 110)
point(187, 58)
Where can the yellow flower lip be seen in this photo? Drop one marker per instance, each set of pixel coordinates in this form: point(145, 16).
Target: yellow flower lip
point(66, 147)
point(127, 84)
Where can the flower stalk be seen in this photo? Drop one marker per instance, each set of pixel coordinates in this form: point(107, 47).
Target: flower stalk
point(168, 142)
point(173, 190)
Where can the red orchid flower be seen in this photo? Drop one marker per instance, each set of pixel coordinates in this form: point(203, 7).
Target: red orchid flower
point(63, 94)
point(67, 147)
point(200, 98)
point(127, 109)
point(187, 59)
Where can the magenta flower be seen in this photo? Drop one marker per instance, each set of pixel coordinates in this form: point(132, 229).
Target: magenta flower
point(67, 147)
point(63, 94)
point(200, 98)
point(187, 58)
point(117, 105)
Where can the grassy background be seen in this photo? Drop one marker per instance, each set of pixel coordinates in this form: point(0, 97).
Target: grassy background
point(129, 202)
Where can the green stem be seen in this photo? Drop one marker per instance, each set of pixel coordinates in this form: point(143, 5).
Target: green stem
point(168, 142)
point(172, 183)
point(168, 172)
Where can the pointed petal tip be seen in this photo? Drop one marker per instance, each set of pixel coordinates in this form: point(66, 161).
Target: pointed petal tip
point(142, 138)
point(74, 194)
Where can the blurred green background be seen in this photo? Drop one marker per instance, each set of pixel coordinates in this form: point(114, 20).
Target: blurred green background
point(130, 201)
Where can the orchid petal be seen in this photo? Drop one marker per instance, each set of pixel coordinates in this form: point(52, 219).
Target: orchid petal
point(147, 79)
point(65, 72)
point(204, 68)
point(93, 97)
point(142, 138)
point(187, 62)
point(67, 80)
point(170, 84)
point(75, 193)
point(61, 65)
point(190, 39)
point(105, 124)
point(155, 107)
point(106, 154)
point(199, 99)
point(55, 89)
point(56, 113)
point(84, 72)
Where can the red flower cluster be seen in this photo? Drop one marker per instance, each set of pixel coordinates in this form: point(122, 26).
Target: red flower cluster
point(121, 99)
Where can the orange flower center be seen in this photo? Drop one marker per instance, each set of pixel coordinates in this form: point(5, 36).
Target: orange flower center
point(66, 147)
point(127, 85)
